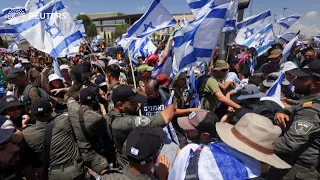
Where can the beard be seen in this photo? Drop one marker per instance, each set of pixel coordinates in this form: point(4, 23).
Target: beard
point(131, 111)
point(303, 90)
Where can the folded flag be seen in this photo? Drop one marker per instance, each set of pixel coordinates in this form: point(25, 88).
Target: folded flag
point(49, 34)
point(286, 22)
point(263, 40)
point(81, 28)
point(32, 5)
point(251, 26)
point(156, 18)
point(287, 37)
point(196, 42)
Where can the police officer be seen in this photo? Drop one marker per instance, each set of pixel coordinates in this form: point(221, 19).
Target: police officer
point(90, 129)
point(60, 154)
point(124, 118)
point(300, 143)
point(113, 74)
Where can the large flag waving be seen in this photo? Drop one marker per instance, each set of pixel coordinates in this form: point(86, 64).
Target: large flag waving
point(286, 22)
point(251, 26)
point(197, 41)
point(156, 18)
point(288, 49)
point(141, 47)
point(81, 28)
point(51, 34)
point(287, 37)
point(32, 5)
point(263, 40)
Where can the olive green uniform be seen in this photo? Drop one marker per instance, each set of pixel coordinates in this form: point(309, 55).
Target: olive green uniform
point(65, 160)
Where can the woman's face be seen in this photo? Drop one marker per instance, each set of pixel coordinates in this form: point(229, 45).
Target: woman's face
point(56, 83)
point(14, 112)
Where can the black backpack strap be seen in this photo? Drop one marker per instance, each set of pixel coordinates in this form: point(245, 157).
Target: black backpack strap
point(26, 93)
point(47, 146)
point(83, 127)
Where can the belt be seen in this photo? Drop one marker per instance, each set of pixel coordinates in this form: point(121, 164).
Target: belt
point(308, 166)
point(63, 166)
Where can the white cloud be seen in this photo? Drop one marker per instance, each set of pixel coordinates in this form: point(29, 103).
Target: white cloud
point(141, 8)
point(311, 14)
point(308, 30)
point(67, 7)
point(77, 2)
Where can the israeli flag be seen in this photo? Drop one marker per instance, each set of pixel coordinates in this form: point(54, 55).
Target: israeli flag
point(195, 99)
point(13, 12)
point(155, 19)
point(217, 161)
point(169, 130)
point(287, 37)
point(165, 67)
point(141, 47)
point(263, 40)
point(251, 66)
point(32, 5)
point(96, 39)
point(49, 34)
point(18, 39)
point(288, 49)
point(275, 89)
point(251, 26)
point(232, 16)
point(81, 28)
point(197, 41)
point(286, 22)
point(6, 30)
point(13, 47)
point(316, 38)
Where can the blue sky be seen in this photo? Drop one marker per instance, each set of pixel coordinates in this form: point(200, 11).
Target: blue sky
point(309, 24)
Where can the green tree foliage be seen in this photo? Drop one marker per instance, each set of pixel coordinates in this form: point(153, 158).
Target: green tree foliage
point(120, 30)
point(3, 43)
point(90, 28)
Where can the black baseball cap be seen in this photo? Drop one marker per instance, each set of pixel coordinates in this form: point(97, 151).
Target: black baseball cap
point(15, 72)
point(312, 69)
point(125, 93)
point(8, 102)
point(41, 107)
point(202, 120)
point(88, 95)
point(143, 144)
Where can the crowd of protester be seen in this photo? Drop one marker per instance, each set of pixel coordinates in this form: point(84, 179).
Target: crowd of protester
point(90, 121)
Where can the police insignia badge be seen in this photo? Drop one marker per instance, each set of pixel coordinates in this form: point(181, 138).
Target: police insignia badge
point(302, 127)
point(141, 121)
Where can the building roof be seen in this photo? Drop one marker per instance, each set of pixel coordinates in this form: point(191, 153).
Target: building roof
point(97, 16)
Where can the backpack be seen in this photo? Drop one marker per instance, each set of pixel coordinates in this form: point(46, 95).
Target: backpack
point(26, 91)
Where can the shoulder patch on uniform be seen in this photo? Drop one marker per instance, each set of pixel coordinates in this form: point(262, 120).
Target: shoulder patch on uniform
point(141, 121)
point(307, 104)
point(302, 127)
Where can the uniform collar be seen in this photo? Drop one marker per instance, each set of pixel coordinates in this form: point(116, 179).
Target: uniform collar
point(309, 98)
point(131, 175)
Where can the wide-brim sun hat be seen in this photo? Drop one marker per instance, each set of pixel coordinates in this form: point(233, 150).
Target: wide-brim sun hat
point(255, 136)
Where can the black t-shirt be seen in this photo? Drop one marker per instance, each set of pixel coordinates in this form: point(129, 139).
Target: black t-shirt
point(153, 106)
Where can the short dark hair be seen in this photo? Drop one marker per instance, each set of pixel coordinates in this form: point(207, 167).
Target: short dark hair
point(114, 70)
point(99, 68)
point(256, 80)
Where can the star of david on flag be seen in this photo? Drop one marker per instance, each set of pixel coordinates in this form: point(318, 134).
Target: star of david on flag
point(40, 3)
point(32, 5)
point(147, 26)
point(53, 30)
point(249, 33)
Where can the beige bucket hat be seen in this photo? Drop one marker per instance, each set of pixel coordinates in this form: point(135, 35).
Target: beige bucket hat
point(254, 135)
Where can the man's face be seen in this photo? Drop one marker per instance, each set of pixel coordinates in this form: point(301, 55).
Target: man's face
point(151, 93)
point(65, 73)
point(303, 85)
point(221, 74)
point(181, 83)
point(275, 60)
point(14, 112)
point(9, 155)
point(131, 107)
point(192, 135)
point(309, 56)
point(18, 81)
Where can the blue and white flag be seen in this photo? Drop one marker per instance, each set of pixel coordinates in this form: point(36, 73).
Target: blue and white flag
point(287, 37)
point(288, 49)
point(13, 47)
point(195, 99)
point(155, 19)
point(96, 39)
point(18, 39)
point(169, 130)
point(50, 34)
point(197, 41)
point(232, 16)
point(251, 66)
point(165, 67)
point(251, 26)
point(316, 38)
point(32, 5)
point(262, 40)
point(13, 12)
point(218, 161)
point(141, 47)
point(275, 89)
point(81, 28)
point(6, 30)
point(7, 14)
point(302, 42)
point(286, 22)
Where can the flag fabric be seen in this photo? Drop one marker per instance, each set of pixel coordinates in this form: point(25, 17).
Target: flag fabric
point(288, 49)
point(275, 89)
point(195, 99)
point(263, 40)
point(185, 21)
point(165, 67)
point(169, 130)
point(141, 47)
point(32, 5)
point(302, 42)
point(13, 47)
point(49, 34)
point(96, 39)
point(232, 16)
point(216, 160)
point(81, 28)
point(13, 12)
point(197, 41)
point(286, 22)
point(7, 14)
point(7, 30)
point(251, 66)
point(156, 18)
point(200, 8)
point(287, 37)
point(56, 67)
point(18, 39)
point(251, 26)
point(316, 38)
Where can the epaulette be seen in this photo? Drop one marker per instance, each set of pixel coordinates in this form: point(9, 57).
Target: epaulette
point(307, 104)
